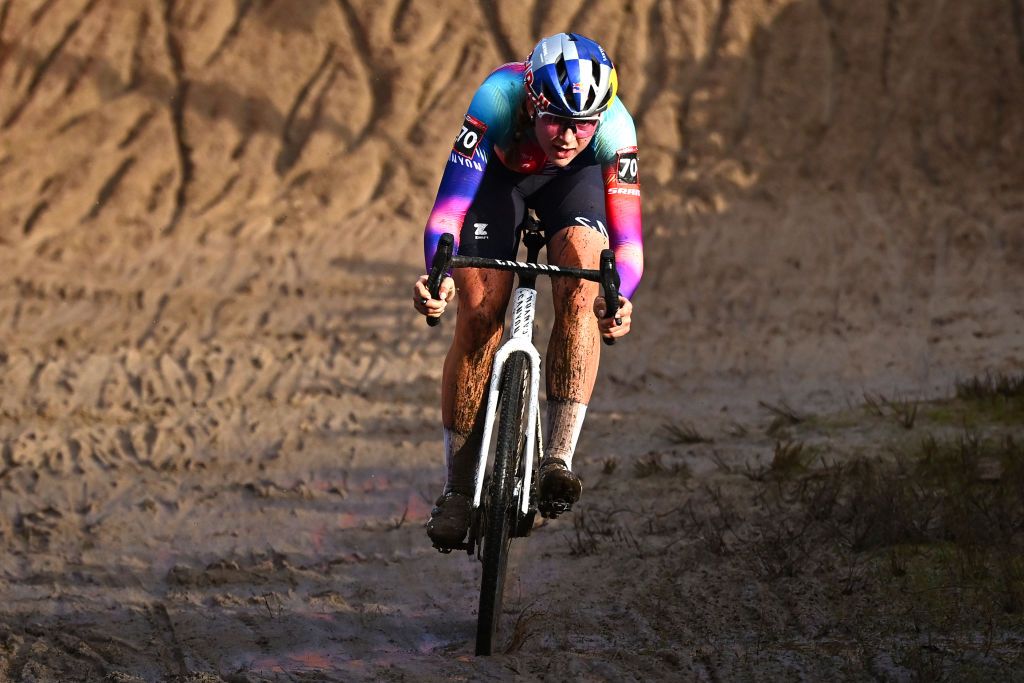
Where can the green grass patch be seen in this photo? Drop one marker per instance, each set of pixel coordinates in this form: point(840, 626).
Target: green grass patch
point(991, 386)
point(905, 527)
point(949, 517)
point(972, 413)
point(989, 399)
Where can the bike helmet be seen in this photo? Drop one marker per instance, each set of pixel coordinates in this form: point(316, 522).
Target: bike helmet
point(570, 75)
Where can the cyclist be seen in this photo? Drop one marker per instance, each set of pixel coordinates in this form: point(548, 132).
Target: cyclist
point(546, 134)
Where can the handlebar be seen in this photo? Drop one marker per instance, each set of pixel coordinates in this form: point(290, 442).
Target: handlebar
point(445, 260)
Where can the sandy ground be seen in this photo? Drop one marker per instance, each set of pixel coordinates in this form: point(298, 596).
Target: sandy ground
point(219, 413)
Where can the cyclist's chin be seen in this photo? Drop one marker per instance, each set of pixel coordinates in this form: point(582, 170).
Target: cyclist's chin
point(562, 157)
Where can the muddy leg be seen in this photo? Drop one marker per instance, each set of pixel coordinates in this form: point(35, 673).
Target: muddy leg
point(482, 299)
point(574, 348)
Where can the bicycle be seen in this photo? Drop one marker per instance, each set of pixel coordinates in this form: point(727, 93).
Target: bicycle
point(505, 501)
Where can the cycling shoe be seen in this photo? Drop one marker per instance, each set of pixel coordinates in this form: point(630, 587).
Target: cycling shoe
point(449, 520)
point(559, 488)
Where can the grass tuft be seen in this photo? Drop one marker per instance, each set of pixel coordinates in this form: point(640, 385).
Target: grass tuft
point(684, 433)
point(652, 465)
point(736, 429)
point(592, 527)
point(526, 626)
point(785, 416)
point(991, 386)
point(902, 410)
point(789, 457)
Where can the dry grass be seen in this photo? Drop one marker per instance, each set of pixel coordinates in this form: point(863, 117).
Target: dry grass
point(784, 416)
point(789, 458)
point(651, 465)
point(594, 528)
point(900, 409)
point(949, 507)
point(736, 429)
point(904, 546)
point(683, 434)
point(991, 386)
point(527, 625)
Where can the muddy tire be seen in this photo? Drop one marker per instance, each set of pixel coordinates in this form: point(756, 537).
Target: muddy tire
point(500, 499)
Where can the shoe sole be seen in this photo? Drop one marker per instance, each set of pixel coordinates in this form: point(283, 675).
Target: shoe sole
point(551, 509)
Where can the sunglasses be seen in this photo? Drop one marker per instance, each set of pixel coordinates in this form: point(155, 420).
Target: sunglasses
point(583, 128)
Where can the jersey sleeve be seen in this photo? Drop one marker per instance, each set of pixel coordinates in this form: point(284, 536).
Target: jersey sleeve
point(486, 121)
point(618, 152)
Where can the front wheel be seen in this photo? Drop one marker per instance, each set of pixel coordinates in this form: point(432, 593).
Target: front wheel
point(501, 503)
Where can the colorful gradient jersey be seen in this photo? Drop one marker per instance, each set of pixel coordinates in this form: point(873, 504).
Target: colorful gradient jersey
point(489, 131)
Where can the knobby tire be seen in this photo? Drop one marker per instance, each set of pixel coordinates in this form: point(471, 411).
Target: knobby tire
point(501, 505)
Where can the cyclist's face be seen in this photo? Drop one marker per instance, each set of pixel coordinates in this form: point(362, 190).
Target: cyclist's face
point(563, 139)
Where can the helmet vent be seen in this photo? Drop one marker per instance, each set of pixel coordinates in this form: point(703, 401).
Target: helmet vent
point(562, 72)
point(595, 70)
point(549, 93)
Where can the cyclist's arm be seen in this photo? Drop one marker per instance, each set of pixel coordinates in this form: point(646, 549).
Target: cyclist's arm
point(489, 114)
point(622, 204)
point(459, 184)
point(622, 196)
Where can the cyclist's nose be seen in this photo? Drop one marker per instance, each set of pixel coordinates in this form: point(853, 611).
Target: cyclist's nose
point(567, 133)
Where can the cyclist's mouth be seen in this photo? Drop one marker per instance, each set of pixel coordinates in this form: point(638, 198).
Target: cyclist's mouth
point(564, 152)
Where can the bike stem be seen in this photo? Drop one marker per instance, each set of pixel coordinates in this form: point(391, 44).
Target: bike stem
point(534, 241)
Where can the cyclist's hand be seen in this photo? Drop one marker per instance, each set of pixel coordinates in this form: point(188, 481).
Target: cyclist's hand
point(432, 308)
point(618, 326)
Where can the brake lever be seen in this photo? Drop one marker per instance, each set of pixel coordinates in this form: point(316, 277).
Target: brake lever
point(610, 285)
point(438, 267)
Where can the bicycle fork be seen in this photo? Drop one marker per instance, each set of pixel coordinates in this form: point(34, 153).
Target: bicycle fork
point(520, 339)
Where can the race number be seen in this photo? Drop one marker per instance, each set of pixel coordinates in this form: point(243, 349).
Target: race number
point(627, 170)
point(469, 137)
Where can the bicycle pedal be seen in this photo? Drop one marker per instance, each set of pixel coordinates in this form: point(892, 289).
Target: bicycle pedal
point(550, 509)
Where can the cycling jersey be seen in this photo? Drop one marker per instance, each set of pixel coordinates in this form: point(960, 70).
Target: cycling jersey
point(572, 197)
point(489, 130)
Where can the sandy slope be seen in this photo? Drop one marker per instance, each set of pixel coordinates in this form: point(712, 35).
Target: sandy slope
point(219, 415)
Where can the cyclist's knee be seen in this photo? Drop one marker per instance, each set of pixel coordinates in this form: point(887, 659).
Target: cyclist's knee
point(483, 297)
point(577, 247)
point(478, 326)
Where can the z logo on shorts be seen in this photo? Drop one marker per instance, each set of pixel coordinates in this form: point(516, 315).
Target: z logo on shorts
point(469, 137)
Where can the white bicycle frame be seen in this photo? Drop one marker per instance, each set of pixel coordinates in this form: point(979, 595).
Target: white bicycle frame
point(520, 339)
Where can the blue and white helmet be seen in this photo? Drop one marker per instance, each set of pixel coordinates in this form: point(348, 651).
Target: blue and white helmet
point(570, 75)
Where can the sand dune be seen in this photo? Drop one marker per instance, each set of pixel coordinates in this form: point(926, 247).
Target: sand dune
point(220, 426)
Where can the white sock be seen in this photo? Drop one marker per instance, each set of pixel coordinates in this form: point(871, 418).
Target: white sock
point(565, 420)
